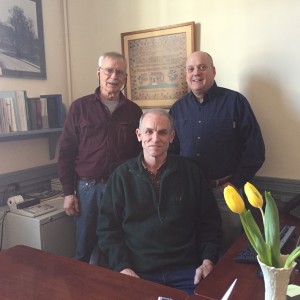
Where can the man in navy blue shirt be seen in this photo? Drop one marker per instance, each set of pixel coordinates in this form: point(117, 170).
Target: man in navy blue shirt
point(217, 128)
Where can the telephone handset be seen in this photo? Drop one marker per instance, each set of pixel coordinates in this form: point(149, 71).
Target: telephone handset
point(29, 208)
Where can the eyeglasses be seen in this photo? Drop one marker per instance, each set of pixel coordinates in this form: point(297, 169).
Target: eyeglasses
point(110, 71)
point(201, 68)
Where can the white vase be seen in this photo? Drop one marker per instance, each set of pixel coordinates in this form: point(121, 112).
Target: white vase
point(276, 280)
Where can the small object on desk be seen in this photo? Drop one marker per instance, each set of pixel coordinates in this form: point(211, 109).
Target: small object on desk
point(163, 298)
point(293, 292)
point(229, 291)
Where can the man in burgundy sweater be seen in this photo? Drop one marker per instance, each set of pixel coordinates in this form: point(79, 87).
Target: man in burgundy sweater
point(99, 133)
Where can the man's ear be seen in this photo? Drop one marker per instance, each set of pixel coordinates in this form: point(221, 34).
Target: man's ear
point(172, 136)
point(138, 134)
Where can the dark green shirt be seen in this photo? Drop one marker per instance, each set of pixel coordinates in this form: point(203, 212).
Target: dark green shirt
point(141, 230)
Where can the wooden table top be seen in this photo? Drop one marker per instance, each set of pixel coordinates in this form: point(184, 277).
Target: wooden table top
point(28, 273)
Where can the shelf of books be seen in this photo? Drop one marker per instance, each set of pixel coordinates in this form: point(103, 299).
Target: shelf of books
point(22, 117)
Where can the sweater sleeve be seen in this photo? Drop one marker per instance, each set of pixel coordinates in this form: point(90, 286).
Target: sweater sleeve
point(68, 151)
point(109, 229)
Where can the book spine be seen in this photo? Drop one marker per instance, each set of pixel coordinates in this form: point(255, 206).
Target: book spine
point(39, 123)
point(32, 113)
point(44, 113)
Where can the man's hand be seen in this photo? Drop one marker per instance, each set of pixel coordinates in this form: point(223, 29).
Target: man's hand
point(203, 270)
point(129, 272)
point(71, 206)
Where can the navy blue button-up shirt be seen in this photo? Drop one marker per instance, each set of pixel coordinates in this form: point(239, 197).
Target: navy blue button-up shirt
point(221, 134)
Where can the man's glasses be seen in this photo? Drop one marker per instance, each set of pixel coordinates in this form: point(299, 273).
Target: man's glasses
point(110, 71)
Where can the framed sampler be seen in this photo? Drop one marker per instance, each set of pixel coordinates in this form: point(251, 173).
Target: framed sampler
point(156, 64)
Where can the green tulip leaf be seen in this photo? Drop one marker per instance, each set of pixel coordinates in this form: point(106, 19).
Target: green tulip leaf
point(271, 225)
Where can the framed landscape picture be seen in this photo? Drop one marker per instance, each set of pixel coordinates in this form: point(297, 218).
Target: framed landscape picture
point(22, 53)
point(156, 64)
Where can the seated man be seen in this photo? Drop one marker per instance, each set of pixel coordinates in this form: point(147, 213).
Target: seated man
point(158, 219)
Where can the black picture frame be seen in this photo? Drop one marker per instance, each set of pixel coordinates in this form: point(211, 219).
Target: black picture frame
point(22, 52)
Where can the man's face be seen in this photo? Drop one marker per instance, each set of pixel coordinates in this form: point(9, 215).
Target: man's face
point(155, 135)
point(112, 76)
point(200, 72)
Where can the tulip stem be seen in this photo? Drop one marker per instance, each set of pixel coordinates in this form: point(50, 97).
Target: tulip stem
point(262, 214)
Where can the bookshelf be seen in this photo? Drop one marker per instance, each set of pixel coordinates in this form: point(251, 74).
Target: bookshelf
point(51, 134)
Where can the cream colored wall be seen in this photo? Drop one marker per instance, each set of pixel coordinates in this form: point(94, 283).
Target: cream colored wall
point(255, 46)
point(25, 154)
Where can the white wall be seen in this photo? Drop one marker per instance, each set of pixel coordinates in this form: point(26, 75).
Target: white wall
point(255, 46)
point(20, 155)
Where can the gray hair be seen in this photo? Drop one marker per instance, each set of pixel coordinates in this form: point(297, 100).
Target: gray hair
point(113, 55)
point(157, 111)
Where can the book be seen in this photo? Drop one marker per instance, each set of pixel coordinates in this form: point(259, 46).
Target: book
point(31, 105)
point(4, 118)
point(21, 103)
point(11, 115)
point(18, 107)
point(39, 123)
point(55, 110)
point(44, 113)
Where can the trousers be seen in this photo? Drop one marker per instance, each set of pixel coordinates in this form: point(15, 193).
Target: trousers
point(178, 277)
point(89, 194)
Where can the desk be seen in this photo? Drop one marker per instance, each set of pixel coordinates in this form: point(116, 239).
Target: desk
point(248, 286)
point(28, 273)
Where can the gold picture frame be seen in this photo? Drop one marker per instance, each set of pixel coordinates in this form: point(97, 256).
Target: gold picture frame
point(156, 64)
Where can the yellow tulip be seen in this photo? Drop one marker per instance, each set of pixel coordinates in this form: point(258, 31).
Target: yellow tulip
point(233, 200)
point(253, 195)
point(267, 246)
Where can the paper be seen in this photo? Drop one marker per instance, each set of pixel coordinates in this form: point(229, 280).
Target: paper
point(293, 290)
point(15, 200)
point(227, 294)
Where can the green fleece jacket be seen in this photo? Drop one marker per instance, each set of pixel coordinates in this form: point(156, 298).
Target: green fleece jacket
point(143, 231)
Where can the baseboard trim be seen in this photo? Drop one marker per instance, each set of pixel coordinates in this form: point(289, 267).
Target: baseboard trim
point(277, 185)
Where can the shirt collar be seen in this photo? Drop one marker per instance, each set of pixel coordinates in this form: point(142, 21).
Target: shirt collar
point(210, 94)
point(122, 98)
point(159, 170)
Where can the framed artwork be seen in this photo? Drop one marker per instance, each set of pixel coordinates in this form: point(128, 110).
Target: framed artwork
point(156, 64)
point(22, 53)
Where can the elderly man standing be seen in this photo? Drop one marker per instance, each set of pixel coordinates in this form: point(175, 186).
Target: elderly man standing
point(98, 134)
point(158, 219)
point(217, 128)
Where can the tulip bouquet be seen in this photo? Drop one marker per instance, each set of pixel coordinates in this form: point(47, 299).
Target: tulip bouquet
point(268, 246)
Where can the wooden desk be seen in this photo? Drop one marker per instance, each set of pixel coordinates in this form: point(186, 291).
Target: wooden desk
point(28, 273)
point(248, 286)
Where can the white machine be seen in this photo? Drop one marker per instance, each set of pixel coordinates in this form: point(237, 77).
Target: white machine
point(52, 231)
point(30, 208)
